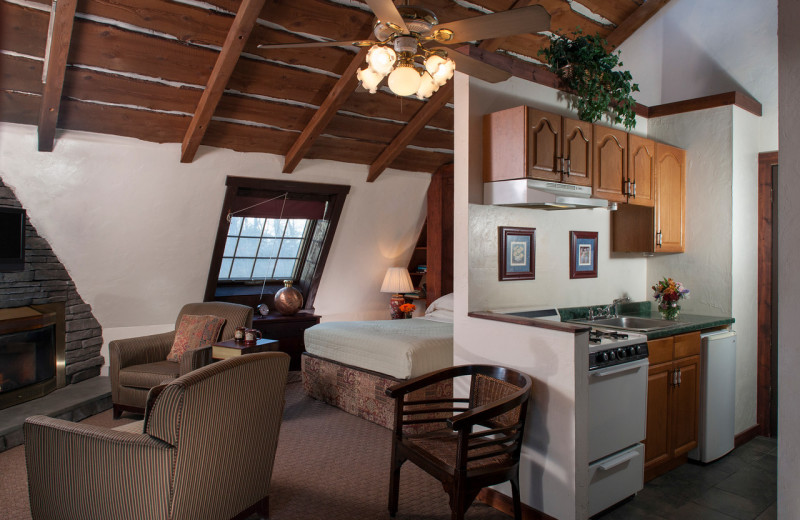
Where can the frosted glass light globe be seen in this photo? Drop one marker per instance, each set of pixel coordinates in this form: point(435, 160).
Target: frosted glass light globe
point(381, 59)
point(440, 68)
point(404, 80)
point(369, 79)
point(426, 87)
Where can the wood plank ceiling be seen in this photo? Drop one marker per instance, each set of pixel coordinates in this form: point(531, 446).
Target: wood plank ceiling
point(190, 72)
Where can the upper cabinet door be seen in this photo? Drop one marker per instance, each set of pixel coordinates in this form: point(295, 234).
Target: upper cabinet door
point(610, 163)
point(641, 170)
point(577, 152)
point(671, 198)
point(544, 145)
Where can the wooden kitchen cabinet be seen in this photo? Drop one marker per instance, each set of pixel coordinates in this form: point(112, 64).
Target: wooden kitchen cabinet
point(523, 142)
point(670, 198)
point(673, 401)
point(610, 164)
point(640, 185)
point(658, 229)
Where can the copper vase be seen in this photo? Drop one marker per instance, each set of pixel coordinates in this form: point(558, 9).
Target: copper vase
point(288, 300)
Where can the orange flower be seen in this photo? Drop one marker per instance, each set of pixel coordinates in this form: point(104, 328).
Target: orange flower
point(407, 307)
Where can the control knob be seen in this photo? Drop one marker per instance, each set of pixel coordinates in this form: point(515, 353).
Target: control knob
point(621, 353)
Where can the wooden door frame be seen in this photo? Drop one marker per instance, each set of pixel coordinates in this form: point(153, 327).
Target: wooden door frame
point(767, 294)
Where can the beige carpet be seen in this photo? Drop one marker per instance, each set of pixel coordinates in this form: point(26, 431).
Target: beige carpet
point(330, 465)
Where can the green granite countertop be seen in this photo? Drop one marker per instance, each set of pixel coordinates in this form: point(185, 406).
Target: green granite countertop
point(684, 323)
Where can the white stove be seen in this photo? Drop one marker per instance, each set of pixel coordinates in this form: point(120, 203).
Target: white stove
point(613, 347)
point(617, 410)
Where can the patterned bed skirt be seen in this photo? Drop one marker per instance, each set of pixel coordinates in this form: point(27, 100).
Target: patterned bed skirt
point(362, 392)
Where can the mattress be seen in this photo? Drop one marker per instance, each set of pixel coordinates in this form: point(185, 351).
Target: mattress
point(398, 348)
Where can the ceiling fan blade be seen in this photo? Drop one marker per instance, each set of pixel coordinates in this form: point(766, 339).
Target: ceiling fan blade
point(531, 19)
point(475, 68)
point(386, 11)
point(357, 43)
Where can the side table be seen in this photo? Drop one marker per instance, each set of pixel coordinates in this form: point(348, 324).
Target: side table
point(232, 348)
point(288, 330)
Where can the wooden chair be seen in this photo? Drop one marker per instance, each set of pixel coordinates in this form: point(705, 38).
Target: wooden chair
point(463, 458)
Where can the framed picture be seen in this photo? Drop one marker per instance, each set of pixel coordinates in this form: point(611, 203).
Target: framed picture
point(516, 253)
point(583, 254)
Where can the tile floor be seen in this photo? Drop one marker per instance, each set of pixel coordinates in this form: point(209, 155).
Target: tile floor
point(741, 485)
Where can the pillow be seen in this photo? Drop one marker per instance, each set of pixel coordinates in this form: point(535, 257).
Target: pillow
point(442, 315)
point(443, 303)
point(194, 332)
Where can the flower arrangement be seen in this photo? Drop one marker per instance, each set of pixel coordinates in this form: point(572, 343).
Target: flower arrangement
point(407, 309)
point(667, 293)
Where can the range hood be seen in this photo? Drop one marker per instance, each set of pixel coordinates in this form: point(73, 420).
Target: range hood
point(535, 193)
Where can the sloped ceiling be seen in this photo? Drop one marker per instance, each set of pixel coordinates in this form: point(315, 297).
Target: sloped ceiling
point(154, 70)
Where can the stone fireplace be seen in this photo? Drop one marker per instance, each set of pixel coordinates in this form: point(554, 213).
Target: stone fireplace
point(31, 352)
point(45, 287)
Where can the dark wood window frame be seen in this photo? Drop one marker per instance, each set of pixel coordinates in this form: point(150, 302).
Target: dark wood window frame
point(247, 294)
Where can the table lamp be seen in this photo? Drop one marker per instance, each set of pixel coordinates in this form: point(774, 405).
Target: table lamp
point(397, 281)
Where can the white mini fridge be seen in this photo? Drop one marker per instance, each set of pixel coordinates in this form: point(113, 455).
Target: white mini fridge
point(717, 396)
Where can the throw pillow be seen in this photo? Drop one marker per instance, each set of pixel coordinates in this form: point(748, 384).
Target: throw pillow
point(194, 332)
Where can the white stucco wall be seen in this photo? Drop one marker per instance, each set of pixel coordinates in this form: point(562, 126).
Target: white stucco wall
point(552, 472)
point(135, 227)
point(788, 195)
point(744, 263)
point(705, 267)
point(707, 47)
point(720, 263)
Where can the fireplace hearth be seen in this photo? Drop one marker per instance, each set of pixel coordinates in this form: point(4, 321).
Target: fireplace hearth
point(31, 352)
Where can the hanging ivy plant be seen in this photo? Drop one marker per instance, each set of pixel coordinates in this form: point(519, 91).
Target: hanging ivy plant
point(586, 68)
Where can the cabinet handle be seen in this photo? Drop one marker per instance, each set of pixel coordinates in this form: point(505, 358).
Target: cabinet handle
point(560, 164)
point(674, 378)
point(567, 170)
point(679, 377)
point(625, 187)
point(634, 189)
point(658, 238)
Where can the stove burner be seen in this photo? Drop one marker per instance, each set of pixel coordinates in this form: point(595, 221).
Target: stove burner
point(596, 335)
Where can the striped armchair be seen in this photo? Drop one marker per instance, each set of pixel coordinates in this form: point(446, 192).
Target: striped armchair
point(139, 364)
point(206, 452)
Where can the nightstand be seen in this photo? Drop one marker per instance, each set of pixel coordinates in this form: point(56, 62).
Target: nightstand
point(288, 330)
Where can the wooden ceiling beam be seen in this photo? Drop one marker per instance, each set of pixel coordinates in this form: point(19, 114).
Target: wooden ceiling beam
point(638, 18)
point(237, 37)
point(62, 14)
point(437, 101)
point(336, 97)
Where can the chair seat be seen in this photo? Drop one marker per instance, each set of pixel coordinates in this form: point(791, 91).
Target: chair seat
point(442, 444)
point(133, 427)
point(148, 375)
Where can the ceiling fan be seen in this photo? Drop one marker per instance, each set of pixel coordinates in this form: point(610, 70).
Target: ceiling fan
point(410, 45)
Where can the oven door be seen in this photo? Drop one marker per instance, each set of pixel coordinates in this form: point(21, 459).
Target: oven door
point(617, 407)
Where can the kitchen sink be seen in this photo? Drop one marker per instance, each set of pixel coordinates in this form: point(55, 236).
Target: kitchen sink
point(630, 323)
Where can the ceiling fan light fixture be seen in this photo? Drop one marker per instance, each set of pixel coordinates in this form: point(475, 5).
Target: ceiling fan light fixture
point(426, 86)
point(441, 69)
point(405, 79)
point(369, 79)
point(381, 59)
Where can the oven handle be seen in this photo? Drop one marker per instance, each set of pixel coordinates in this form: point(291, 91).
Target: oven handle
point(633, 365)
point(616, 461)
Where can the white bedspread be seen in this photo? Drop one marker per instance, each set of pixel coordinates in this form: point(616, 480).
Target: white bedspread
point(399, 348)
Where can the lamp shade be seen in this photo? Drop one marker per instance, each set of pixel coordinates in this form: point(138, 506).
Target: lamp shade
point(397, 280)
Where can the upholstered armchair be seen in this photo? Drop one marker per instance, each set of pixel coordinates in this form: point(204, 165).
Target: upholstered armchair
point(205, 450)
point(139, 364)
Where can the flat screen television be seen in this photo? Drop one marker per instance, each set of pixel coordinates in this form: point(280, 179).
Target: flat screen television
point(12, 239)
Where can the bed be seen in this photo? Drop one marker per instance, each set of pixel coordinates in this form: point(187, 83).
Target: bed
point(350, 364)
